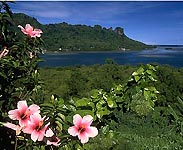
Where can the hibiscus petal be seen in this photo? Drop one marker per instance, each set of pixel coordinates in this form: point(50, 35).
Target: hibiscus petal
point(38, 30)
point(15, 127)
point(34, 135)
point(91, 131)
point(73, 131)
point(10, 125)
point(77, 119)
point(28, 129)
point(14, 114)
point(24, 122)
point(49, 133)
point(36, 118)
point(22, 105)
point(53, 141)
point(28, 28)
point(22, 29)
point(83, 137)
point(41, 135)
point(36, 33)
point(34, 109)
point(87, 120)
point(32, 34)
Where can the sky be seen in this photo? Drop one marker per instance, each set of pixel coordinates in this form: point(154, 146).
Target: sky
point(154, 22)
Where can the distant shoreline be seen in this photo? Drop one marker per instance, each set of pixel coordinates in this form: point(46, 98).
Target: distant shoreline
point(77, 52)
point(111, 51)
point(95, 51)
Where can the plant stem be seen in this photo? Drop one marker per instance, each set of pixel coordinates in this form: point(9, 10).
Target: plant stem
point(15, 142)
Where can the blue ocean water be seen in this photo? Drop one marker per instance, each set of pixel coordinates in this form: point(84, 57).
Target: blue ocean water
point(159, 55)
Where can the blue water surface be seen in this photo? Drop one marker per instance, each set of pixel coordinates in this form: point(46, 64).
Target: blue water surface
point(160, 55)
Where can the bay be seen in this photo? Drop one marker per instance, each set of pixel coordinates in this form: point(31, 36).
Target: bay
point(172, 56)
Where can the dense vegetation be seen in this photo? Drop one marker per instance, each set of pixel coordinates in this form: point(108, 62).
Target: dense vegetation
point(66, 37)
point(78, 81)
point(157, 130)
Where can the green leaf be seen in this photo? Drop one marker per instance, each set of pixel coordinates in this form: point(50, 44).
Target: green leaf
point(47, 105)
point(131, 79)
point(103, 112)
point(59, 125)
point(100, 104)
point(78, 147)
point(119, 99)
point(136, 78)
point(180, 101)
point(94, 93)
point(147, 95)
point(85, 112)
point(61, 116)
point(181, 127)
point(149, 72)
point(140, 71)
point(111, 103)
point(151, 67)
point(82, 102)
point(92, 105)
point(60, 101)
point(135, 73)
point(2, 74)
point(70, 107)
point(59, 119)
point(119, 87)
point(152, 78)
point(173, 113)
point(16, 64)
point(105, 129)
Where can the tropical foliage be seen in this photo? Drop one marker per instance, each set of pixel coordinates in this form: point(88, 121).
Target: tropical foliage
point(125, 107)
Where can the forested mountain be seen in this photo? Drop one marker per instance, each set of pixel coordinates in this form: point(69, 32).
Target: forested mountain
point(66, 37)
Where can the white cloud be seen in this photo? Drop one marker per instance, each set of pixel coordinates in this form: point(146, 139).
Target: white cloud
point(91, 10)
point(44, 9)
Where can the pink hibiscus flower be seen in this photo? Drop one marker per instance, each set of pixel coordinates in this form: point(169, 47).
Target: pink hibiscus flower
point(82, 128)
point(23, 113)
point(17, 128)
point(28, 30)
point(54, 140)
point(37, 129)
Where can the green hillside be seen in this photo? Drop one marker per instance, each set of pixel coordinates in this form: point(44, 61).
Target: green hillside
point(66, 37)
